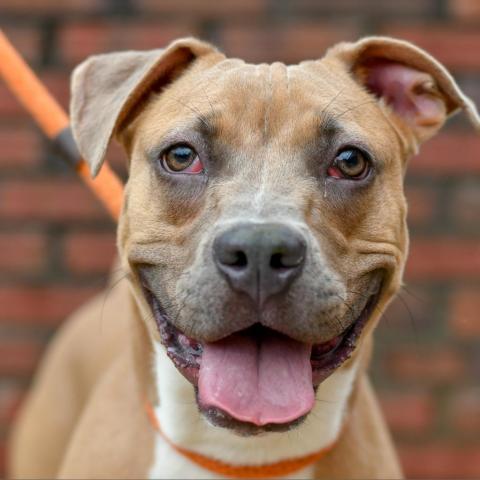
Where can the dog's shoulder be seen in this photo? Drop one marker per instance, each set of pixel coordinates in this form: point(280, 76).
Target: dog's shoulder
point(81, 354)
point(95, 335)
point(365, 441)
point(113, 427)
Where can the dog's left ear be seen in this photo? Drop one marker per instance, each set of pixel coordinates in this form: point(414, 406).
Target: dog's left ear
point(107, 89)
point(419, 91)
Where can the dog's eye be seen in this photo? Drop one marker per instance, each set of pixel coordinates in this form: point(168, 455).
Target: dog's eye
point(181, 158)
point(350, 163)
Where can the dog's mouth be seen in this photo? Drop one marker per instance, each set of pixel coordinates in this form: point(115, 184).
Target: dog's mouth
point(257, 379)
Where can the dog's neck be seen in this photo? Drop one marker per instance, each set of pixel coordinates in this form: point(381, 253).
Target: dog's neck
point(182, 423)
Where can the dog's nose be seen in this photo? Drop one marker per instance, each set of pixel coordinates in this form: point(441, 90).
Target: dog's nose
point(260, 260)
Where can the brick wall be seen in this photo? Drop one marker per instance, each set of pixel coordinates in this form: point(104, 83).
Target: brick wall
point(56, 242)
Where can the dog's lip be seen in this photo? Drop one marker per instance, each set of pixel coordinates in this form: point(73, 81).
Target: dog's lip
point(184, 351)
point(327, 356)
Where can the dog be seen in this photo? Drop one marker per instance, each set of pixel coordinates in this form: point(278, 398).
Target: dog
point(263, 233)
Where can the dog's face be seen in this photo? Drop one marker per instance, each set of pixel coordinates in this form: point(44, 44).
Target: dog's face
point(257, 205)
point(264, 218)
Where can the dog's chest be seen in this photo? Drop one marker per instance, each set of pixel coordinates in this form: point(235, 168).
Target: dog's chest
point(178, 415)
point(168, 463)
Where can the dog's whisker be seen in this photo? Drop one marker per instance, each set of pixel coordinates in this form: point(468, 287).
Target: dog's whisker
point(350, 308)
point(108, 291)
point(358, 105)
point(212, 111)
point(322, 400)
point(412, 294)
point(325, 111)
point(410, 313)
point(199, 115)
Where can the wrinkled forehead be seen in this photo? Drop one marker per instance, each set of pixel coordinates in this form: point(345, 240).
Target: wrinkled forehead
point(267, 101)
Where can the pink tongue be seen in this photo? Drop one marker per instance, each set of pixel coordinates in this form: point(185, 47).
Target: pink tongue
point(258, 382)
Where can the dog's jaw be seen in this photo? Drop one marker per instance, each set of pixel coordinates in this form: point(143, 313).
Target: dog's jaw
point(188, 355)
point(184, 425)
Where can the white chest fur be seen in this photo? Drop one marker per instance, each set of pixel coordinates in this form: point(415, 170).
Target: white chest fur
point(185, 426)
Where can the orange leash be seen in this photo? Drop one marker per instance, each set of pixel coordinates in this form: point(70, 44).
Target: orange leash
point(270, 470)
point(54, 122)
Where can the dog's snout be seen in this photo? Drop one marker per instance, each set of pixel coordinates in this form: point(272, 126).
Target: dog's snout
point(260, 260)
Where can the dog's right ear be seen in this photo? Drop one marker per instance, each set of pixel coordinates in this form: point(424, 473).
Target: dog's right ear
point(414, 90)
point(105, 89)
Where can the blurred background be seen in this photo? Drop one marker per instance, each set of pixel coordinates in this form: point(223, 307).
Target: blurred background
point(57, 243)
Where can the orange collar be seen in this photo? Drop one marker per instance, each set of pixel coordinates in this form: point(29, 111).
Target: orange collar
point(269, 470)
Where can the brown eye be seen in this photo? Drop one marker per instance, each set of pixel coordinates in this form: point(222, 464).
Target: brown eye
point(181, 158)
point(350, 163)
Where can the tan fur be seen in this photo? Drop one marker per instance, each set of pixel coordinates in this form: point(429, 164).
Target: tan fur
point(85, 415)
point(365, 448)
point(82, 352)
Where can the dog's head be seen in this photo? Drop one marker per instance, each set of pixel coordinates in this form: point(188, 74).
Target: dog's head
point(264, 217)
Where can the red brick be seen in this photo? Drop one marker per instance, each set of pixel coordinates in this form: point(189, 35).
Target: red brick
point(22, 252)
point(464, 204)
point(443, 258)
point(44, 305)
point(3, 457)
point(26, 40)
point(90, 252)
point(426, 364)
point(9, 105)
point(411, 413)
point(441, 460)
point(448, 154)
point(20, 148)
point(464, 411)
point(290, 43)
point(205, 8)
point(465, 10)
point(464, 318)
point(409, 313)
point(355, 7)
point(58, 84)
point(117, 159)
point(422, 203)
point(455, 48)
point(50, 6)
point(242, 27)
point(18, 357)
point(79, 40)
point(11, 396)
point(53, 199)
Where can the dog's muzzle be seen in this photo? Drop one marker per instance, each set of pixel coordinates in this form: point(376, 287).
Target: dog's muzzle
point(258, 377)
point(260, 260)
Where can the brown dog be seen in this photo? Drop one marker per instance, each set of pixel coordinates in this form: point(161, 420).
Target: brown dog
point(262, 233)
